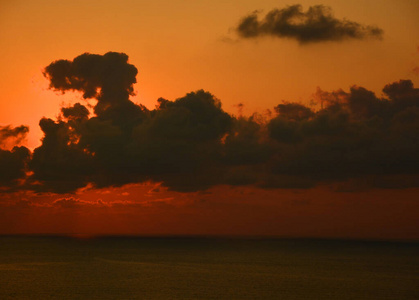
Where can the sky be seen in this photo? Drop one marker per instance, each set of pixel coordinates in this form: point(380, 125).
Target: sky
point(275, 118)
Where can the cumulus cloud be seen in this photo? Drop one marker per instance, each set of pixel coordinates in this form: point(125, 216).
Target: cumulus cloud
point(124, 142)
point(12, 162)
point(317, 24)
point(13, 165)
point(191, 144)
point(355, 134)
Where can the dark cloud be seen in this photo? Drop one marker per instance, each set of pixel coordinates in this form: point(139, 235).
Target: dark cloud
point(355, 134)
point(13, 166)
point(109, 77)
point(15, 134)
point(12, 162)
point(124, 142)
point(317, 24)
point(191, 144)
point(59, 164)
point(246, 143)
point(181, 137)
point(75, 112)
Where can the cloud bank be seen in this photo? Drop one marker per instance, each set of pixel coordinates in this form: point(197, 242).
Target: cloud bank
point(191, 143)
point(317, 24)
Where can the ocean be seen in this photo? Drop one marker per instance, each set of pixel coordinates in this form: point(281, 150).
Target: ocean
point(121, 267)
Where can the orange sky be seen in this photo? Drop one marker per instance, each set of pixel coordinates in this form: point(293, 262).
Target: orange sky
point(178, 47)
point(183, 46)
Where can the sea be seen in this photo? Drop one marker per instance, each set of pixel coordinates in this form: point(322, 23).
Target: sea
point(131, 267)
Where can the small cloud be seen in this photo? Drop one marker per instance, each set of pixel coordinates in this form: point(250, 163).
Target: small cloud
point(228, 40)
point(317, 24)
point(72, 202)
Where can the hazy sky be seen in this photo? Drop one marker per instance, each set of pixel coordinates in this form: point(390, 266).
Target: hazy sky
point(183, 46)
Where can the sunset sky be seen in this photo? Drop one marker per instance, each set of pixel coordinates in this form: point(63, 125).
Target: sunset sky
point(342, 162)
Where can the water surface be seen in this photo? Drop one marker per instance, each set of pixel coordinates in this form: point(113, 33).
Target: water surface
point(36, 267)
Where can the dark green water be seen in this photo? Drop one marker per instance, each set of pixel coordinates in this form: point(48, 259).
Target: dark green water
point(206, 268)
